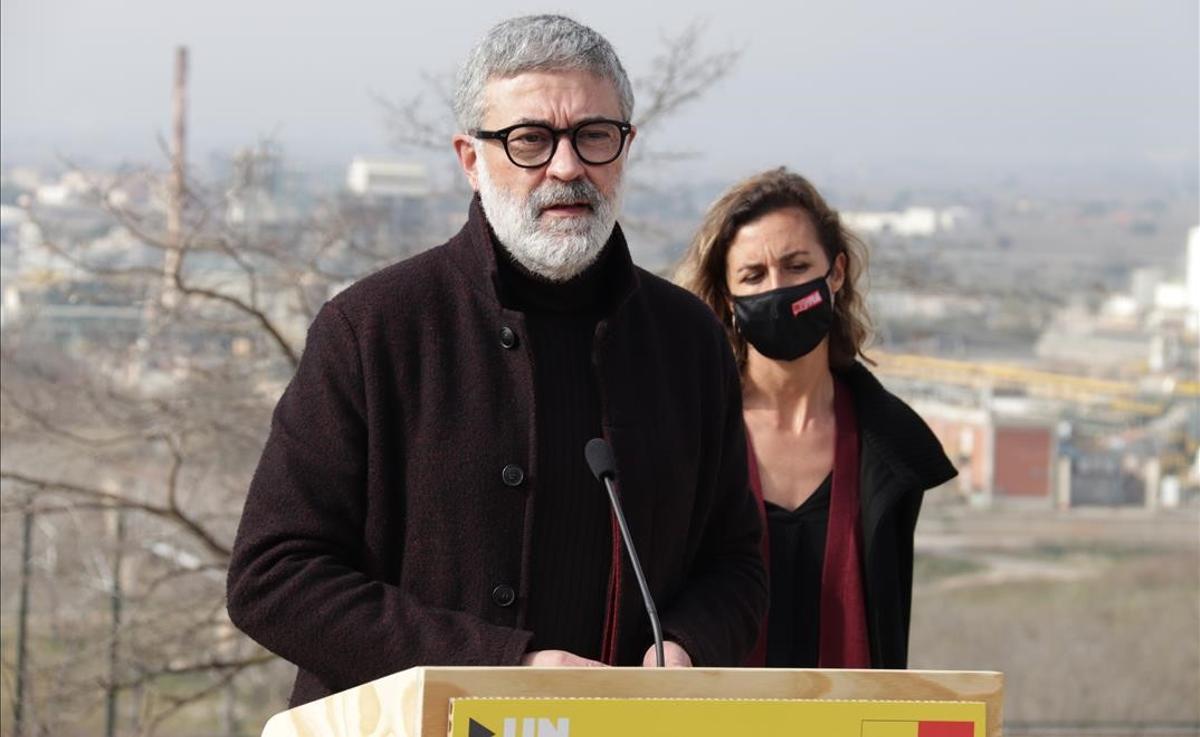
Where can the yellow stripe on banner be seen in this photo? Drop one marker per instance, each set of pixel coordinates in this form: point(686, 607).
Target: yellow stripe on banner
point(873, 728)
point(503, 717)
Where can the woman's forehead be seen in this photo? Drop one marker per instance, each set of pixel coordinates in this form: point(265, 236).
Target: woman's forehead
point(778, 235)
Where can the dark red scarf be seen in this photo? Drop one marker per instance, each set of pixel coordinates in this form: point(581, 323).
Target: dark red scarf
point(844, 642)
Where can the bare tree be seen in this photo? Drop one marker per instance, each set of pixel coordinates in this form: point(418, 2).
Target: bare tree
point(153, 410)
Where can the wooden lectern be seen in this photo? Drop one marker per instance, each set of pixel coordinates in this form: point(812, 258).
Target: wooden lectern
point(640, 702)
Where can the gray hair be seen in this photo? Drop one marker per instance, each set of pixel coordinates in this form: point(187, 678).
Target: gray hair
point(535, 43)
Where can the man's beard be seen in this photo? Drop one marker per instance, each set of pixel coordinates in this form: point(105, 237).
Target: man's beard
point(555, 249)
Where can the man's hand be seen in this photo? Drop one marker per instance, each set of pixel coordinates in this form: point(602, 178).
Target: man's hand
point(559, 659)
point(674, 656)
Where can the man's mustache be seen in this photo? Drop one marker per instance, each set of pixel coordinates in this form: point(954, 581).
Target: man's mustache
point(553, 194)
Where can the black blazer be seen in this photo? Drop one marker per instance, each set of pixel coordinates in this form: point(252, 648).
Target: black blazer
point(900, 458)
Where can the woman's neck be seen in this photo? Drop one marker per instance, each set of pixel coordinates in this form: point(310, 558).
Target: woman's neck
point(791, 394)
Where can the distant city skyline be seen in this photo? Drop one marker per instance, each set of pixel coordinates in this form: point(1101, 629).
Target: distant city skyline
point(852, 87)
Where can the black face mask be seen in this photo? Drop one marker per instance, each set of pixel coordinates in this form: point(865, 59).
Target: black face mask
point(786, 323)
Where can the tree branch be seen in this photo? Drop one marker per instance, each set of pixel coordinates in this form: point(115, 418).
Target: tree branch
point(120, 501)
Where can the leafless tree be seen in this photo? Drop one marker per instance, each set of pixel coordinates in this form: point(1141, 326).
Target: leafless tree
point(134, 407)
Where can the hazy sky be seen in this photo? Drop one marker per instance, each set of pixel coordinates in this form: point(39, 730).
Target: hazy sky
point(1007, 83)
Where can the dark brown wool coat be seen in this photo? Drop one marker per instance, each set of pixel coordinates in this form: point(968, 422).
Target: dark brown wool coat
point(389, 521)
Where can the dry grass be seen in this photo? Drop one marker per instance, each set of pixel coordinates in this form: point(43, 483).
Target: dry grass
point(1084, 630)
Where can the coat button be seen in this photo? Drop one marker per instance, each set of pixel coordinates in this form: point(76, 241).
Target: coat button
point(512, 475)
point(508, 337)
point(504, 595)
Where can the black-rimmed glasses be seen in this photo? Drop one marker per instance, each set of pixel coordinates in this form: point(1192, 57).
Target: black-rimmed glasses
point(530, 145)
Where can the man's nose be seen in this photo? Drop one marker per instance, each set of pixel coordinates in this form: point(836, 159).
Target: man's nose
point(565, 164)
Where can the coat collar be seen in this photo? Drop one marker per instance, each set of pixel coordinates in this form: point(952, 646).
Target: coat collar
point(893, 434)
point(472, 250)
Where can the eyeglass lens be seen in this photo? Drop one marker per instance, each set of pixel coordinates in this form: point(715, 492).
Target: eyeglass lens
point(595, 143)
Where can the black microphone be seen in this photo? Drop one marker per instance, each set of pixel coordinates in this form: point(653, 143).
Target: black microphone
point(604, 468)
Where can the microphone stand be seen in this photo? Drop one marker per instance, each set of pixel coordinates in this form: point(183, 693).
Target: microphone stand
point(655, 625)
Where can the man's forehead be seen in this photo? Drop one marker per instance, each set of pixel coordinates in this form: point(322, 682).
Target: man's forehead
point(551, 96)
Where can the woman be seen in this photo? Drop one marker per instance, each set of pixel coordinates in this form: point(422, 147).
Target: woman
point(840, 462)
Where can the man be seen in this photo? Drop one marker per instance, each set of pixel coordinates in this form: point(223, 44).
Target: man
point(423, 498)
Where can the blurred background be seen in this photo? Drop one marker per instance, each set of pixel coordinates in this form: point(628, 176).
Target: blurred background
point(184, 184)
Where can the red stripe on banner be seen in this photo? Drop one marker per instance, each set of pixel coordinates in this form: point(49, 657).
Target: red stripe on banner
point(945, 729)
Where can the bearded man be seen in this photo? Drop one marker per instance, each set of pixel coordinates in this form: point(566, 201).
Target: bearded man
point(423, 497)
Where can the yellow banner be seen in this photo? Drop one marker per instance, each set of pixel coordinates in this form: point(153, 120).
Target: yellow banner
point(505, 717)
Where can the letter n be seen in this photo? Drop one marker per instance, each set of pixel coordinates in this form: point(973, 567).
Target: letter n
point(546, 728)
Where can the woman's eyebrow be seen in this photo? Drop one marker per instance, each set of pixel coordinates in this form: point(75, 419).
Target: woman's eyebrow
point(796, 252)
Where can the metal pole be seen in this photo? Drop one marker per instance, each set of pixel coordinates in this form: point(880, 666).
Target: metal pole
point(23, 621)
point(111, 692)
point(229, 646)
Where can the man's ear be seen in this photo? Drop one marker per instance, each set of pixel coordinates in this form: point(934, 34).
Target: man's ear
point(464, 148)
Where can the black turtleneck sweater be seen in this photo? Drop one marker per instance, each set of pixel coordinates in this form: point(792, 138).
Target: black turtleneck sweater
point(572, 553)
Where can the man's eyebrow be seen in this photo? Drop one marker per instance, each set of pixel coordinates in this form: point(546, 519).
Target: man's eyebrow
point(591, 119)
point(533, 121)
